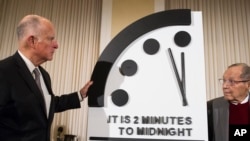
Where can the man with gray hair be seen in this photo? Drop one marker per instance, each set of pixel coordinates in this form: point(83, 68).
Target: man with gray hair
point(233, 108)
point(27, 102)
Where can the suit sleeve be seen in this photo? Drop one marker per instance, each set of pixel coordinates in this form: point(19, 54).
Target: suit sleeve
point(66, 102)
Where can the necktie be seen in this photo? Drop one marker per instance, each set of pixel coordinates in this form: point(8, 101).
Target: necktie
point(38, 82)
point(37, 79)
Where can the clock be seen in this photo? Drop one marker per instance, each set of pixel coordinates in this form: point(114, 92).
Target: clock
point(149, 82)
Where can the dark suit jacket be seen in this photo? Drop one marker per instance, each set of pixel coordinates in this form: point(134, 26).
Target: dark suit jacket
point(22, 109)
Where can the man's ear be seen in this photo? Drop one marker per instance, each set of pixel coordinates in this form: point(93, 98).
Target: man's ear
point(31, 41)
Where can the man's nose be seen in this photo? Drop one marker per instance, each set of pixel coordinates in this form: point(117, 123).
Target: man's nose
point(55, 44)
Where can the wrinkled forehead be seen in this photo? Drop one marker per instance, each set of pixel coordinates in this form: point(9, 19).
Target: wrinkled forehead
point(47, 24)
point(47, 28)
point(233, 72)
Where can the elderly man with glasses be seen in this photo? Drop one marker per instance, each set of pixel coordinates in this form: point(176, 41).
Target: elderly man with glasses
point(233, 108)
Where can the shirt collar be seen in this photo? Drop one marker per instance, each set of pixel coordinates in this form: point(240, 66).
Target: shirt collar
point(245, 100)
point(242, 102)
point(29, 64)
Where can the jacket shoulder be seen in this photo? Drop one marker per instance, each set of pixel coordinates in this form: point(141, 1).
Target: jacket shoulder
point(217, 102)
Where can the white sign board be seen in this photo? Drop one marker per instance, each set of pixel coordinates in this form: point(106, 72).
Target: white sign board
point(149, 82)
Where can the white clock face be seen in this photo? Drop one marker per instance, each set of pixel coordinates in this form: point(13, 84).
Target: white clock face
point(150, 80)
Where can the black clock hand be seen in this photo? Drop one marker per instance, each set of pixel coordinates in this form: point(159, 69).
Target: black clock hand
point(180, 83)
point(183, 79)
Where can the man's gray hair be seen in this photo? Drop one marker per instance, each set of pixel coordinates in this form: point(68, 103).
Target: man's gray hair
point(245, 70)
point(29, 22)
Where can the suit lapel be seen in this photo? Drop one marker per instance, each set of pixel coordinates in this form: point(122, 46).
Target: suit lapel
point(221, 118)
point(47, 80)
point(224, 118)
point(27, 76)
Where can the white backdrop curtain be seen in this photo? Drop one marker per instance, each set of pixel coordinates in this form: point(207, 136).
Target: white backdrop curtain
point(77, 24)
point(226, 35)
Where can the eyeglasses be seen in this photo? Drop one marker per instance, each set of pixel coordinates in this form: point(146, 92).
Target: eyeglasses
point(231, 82)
